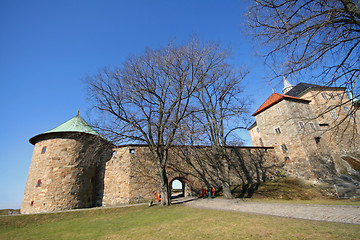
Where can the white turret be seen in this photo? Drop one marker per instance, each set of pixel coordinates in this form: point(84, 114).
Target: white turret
point(287, 86)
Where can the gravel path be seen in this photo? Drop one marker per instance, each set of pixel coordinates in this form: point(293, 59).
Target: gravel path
point(328, 213)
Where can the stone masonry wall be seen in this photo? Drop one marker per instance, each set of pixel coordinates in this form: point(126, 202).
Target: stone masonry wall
point(131, 175)
point(61, 177)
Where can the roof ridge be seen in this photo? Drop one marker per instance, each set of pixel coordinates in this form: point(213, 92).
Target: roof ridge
point(273, 99)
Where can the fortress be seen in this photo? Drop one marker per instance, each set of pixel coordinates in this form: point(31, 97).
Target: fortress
point(297, 133)
point(74, 167)
point(314, 130)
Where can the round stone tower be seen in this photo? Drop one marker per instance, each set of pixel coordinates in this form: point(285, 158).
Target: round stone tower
point(62, 172)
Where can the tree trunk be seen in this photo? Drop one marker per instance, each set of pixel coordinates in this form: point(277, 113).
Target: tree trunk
point(164, 188)
point(226, 190)
point(226, 179)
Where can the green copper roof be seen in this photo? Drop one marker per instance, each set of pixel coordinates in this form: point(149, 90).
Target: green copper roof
point(75, 124)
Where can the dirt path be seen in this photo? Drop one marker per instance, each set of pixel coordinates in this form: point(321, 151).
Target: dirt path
point(329, 213)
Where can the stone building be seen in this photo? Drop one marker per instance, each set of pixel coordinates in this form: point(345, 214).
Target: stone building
point(313, 129)
point(74, 167)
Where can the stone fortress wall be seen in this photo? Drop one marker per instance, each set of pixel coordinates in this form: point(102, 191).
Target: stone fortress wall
point(77, 170)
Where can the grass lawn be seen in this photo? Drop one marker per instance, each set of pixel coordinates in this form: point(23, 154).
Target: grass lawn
point(174, 222)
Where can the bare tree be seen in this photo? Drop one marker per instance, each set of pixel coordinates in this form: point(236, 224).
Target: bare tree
point(147, 99)
point(219, 110)
point(322, 35)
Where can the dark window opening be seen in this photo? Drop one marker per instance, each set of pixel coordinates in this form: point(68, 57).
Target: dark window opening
point(38, 183)
point(301, 124)
point(284, 148)
point(324, 96)
point(43, 150)
point(277, 131)
point(312, 126)
point(32, 203)
point(317, 139)
point(132, 151)
point(323, 124)
point(286, 159)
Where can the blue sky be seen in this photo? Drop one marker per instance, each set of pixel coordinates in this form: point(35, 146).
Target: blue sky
point(48, 47)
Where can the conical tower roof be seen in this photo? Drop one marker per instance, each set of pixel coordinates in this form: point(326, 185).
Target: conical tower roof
point(287, 85)
point(75, 124)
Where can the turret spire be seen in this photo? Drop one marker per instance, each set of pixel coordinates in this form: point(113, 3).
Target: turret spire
point(287, 86)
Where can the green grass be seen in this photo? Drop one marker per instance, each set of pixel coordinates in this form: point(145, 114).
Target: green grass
point(174, 222)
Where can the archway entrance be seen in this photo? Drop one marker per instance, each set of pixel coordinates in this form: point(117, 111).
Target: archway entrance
point(177, 189)
point(180, 187)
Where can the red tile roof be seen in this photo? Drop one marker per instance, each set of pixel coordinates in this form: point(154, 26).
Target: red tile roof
point(273, 99)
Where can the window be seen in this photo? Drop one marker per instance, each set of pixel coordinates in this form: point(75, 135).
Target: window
point(43, 150)
point(332, 96)
point(32, 203)
point(132, 151)
point(277, 131)
point(301, 124)
point(317, 139)
point(339, 96)
point(287, 159)
point(324, 96)
point(348, 112)
point(333, 113)
point(257, 129)
point(278, 110)
point(323, 124)
point(312, 126)
point(38, 183)
point(284, 148)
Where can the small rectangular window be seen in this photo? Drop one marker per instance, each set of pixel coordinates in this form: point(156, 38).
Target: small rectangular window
point(257, 129)
point(324, 96)
point(38, 183)
point(348, 112)
point(301, 124)
point(312, 126)
point(284, 148)
point(333, 113)
point(132, 151)
point(277, 131)
point(332, 96)
point(43, 150)
point(278, 110)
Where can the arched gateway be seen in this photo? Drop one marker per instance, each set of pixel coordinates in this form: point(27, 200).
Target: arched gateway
point(184, 191)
